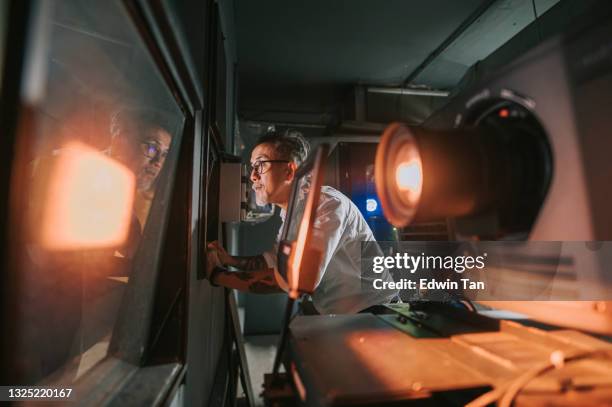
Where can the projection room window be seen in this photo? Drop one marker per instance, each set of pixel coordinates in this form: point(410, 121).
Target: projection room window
point(97, 144)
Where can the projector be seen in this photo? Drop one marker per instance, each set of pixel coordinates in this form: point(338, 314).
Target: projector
point(523, 155)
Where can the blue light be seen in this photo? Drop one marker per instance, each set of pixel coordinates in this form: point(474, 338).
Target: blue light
point(371, 205)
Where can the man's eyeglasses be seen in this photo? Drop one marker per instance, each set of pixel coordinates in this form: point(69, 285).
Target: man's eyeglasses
point(260, 166)
point(152, 150)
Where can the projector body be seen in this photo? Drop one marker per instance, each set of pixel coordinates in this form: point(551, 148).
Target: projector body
point(566, 83)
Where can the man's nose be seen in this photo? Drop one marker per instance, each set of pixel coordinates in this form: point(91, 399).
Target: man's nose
point(254, 175)
point(156, 161)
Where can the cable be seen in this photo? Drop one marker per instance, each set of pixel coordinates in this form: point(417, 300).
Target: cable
point(469, 305)
point(508, 392)
point(535, 12)
point(515, 387)
point(535, 18)
point(487, 398)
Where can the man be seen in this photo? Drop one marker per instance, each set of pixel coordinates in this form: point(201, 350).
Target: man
point(340, 225)
point(141, 140)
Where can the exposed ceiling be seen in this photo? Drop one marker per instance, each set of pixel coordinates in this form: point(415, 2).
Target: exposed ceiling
point(298, 61)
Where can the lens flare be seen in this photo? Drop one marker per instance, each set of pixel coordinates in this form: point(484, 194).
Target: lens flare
point(89, 200)
point(408, 176)
point(399, 174)
point(371, 205)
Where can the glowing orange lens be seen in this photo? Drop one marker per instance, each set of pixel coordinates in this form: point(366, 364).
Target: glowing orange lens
point(399, 174)
point(89, 200)
point(408, 176)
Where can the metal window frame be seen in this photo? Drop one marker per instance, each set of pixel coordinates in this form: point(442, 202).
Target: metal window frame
point(112, 379)
point(15, 38)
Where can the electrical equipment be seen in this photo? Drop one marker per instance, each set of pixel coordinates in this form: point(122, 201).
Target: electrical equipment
point(521, 156)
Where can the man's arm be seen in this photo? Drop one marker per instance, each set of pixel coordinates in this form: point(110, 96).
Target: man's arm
point(254, 275)
point(254, 281)
point(250, 263)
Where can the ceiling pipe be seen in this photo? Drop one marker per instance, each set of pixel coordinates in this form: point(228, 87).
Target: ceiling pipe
point(408, 91)
point(484, 6)
point(286, 124)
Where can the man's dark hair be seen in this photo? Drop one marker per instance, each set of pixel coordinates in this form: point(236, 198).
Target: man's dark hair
point(145, 120)
point(290, 145)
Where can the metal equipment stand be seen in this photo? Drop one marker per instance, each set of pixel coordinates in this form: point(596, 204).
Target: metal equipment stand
point(283, 338)
point(245, 380)
point(278, 390)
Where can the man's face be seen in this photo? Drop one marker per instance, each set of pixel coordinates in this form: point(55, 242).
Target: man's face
point(273, 180)
point(144, 154)
point(154, 149)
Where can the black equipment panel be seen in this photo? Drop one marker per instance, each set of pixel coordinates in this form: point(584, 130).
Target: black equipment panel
point(373, 361)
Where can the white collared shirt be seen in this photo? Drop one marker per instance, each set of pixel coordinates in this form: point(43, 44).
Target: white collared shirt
point(341, 229)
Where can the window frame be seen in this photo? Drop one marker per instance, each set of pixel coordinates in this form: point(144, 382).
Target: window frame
point(113, 378)
point(19, 15)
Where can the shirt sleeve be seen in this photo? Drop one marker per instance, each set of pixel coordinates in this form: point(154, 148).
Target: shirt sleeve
point(270, 256)
point(329, 228)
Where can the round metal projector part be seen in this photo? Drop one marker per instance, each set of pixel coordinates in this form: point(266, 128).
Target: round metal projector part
point(501, 164)
point(398, 174)
point(428, 175)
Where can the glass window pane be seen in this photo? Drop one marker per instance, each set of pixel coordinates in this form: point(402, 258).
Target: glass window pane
point(3, 28)
point(100, 136)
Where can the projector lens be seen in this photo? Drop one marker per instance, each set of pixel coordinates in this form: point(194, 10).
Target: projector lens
point(398, 174)
point(499, 164)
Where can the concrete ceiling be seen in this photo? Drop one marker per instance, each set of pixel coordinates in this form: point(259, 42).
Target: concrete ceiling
point(299, 60)
point(322, 41)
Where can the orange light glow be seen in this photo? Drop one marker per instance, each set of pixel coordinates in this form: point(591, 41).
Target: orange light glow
point(88, 203)
point(503, 113)
point(408, 176)
point(399, 174)
point(387, 376)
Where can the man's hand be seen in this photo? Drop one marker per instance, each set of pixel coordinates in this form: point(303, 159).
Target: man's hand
point(223, 258)
point(254, 276)
point(212, 261)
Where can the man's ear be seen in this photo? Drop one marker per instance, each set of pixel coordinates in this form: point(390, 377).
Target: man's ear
point(291, 169)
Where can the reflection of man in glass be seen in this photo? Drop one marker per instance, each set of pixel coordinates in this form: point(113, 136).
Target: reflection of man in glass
point(339, 226)
point(73, 300)
point(141, 140)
